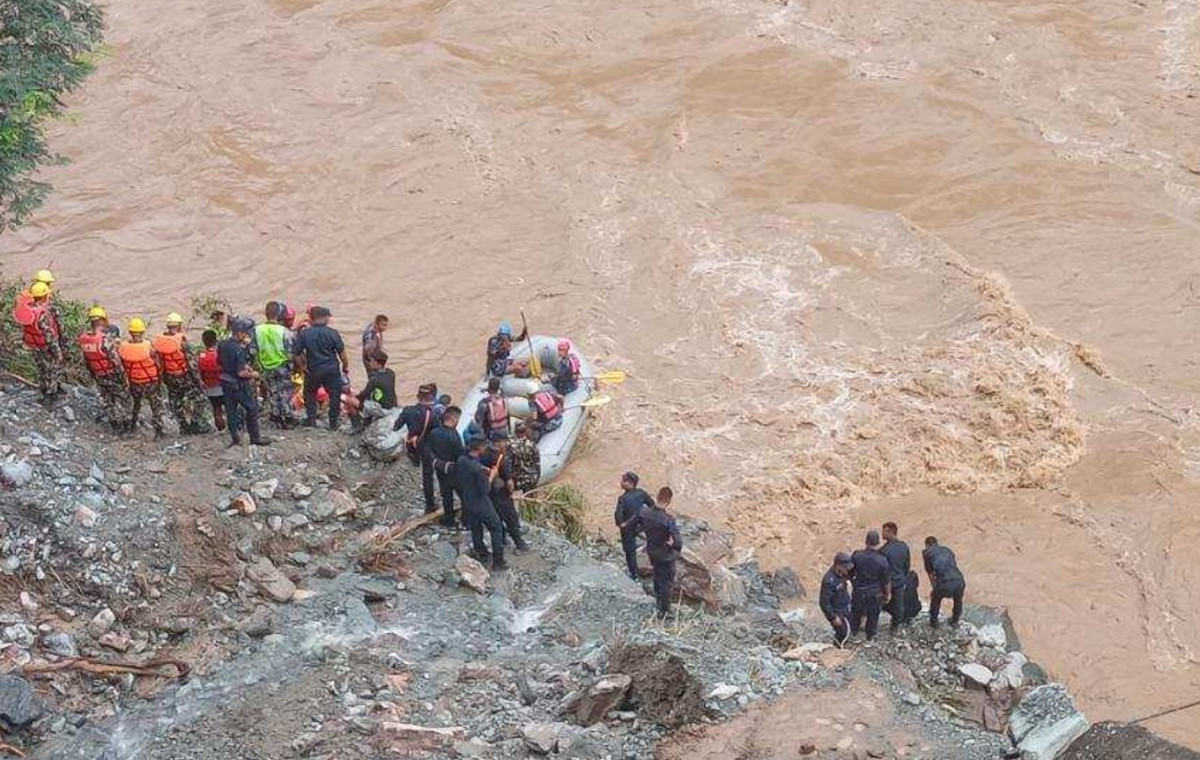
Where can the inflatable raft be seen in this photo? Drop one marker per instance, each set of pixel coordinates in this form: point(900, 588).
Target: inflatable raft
point(555, 447)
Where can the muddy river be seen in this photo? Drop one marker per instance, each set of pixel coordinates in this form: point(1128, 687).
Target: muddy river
point(937, 262)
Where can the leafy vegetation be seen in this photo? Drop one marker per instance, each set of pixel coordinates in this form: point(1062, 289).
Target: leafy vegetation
point(46, 50)
point(559, 507)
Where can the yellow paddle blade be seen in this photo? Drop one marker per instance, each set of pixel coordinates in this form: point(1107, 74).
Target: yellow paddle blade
point(596, 401)
point(614, 376)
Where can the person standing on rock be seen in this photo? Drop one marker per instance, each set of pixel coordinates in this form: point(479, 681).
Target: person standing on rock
point(143, 369)
point(184, 392)
point(945, 579)
point(98, 344)
point(420, 420)
point(629, 505)
point(474, 485)
point(663, 546)
point(900, 561)
point(274, 358)
point(321, 356)
point(446, 445)
point(42, 335)
point(872, 587)
point(835, 597)
point(499, 462)
point(238, 380)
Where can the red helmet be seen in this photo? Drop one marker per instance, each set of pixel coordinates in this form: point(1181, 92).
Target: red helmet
point(564, 345)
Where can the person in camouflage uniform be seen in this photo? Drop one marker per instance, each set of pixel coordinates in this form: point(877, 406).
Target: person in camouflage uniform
point(143, 369)
point(185, 393)
point(99, 347)
point(526, 459)
point(42, 335)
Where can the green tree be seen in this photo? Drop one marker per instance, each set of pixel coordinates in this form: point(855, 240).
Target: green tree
point(45, 51)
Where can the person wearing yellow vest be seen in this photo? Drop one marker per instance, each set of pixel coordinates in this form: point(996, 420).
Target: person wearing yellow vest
point(184, 393)
point(41, 334)
point(142, 367)
point(275, 365)
point(99, 347)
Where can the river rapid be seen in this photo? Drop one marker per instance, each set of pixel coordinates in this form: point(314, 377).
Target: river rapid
point(913, 260)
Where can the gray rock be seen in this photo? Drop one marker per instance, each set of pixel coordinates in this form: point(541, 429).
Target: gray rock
point(264, 490)
point(977, 676)
point(270, 582)
point(17, 473)
point(1045, 723)
point(19, 705)
point(786, 584)
point(101, 623)
point(605, 695)
point(544, 738)
point(96, 473)
point(259, 624)
point(471, 573)
point(300, 491)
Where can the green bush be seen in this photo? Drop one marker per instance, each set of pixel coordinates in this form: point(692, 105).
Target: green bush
point(559, 507)
point(15, 358)
point(46, 50)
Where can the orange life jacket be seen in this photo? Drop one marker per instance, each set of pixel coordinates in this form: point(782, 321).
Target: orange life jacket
point(139, 362)
point(28, 314)
point(92, 346)
point(546, 404)
point(210, 368)
point(170, 351)
point(497, 409)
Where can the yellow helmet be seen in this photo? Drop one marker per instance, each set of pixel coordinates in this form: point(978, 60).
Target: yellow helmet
point(174, 319)
point(44, 275)
point(39, 290)
point(97, 312)
point(136, 325)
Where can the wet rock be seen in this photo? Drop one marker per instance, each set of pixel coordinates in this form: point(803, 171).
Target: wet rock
point(17, 474)
point(264, 490)
point(270, 582)
point(605, 695)
point(977, 676)
point(1045, 723)
point(99, 625)
point(243, 504)
point(786, 584)
point(471, 573)
point(61, 644)
point(19, 705)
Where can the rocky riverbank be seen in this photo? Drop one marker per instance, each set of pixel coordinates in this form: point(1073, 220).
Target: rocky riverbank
point(182, 600)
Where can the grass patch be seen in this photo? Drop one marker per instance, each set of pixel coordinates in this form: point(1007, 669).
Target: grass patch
point(559, 507)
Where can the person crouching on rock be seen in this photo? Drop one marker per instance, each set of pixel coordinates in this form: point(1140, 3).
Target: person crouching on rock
point(663, 545)
point(835, 597)
point(475, 488)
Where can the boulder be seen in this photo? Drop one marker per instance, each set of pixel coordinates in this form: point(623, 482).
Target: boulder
point(713, 585)
point(976, 676)
point(19, 705)
point(1045, 722)
point(471, 573)
point(270, 582)
point(605, 695)
point(264, 490)
point(992, 635)
point(786, 584)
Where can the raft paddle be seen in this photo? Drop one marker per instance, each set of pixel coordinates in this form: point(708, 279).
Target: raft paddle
point(535, 363)
point(591, 403)
point(613, 377)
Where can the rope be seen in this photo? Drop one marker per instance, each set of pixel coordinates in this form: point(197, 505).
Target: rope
point(1181, 708)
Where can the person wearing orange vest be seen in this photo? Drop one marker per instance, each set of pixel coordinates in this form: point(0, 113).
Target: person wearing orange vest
point(42, 336)
point(184, 393)
point(492, 412)
point(143, 369)
point(99, 347)
point(209, 367)
point(548, 412)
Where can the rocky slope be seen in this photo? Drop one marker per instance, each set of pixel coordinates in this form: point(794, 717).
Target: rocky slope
point(182, 600)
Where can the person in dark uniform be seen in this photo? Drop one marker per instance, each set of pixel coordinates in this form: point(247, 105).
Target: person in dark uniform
point(500, 467)
point(835, 597)
point(446, 446)
point(945, 579)
point(899, 560)
point(420, 420)
point(472, 479)
point(872, 586)
point(321, 356)
point(492, 411)
point(663, 545)
point(238, 379)
point(629, 504)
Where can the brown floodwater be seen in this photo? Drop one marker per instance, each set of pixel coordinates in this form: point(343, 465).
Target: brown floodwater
point(920, 260)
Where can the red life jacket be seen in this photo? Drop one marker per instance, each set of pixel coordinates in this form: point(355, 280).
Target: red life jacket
point(139, 363)
point(170, 351)
point(92, 346)
point(546, 404)
point(497, 409)
point(29, 315)
point(210, 368)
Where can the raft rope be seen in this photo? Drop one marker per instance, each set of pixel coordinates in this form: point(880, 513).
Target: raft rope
point(1181, 708)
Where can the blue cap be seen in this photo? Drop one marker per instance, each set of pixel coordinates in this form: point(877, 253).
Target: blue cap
point(505, 329)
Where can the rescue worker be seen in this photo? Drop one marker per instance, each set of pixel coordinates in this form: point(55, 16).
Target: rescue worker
point(99, 347)
point(144, 372)
point(380, 388)
point(872, 586)
point(663, 546)
point(275, 366)
point(492, 412)
point(526, 458)
point(321, 355)
point(238, 384)
point(899, 561)
point(420, 420)
point(472, 479)
point(835, 597)
point(42, 335)
point(566, 377)
point(372, 338)
point(184, 391)
point(629, 506)
point(446, 446)
point(500, 469)
point(945, 579)
point(499, 348)
point(548, 412)
point(210, 377)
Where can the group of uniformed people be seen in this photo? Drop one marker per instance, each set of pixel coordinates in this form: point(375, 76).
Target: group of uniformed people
point(638, 513)
point(877, 578)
